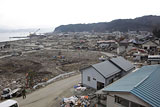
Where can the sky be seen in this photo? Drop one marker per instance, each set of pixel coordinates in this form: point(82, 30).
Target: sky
point(19, 14)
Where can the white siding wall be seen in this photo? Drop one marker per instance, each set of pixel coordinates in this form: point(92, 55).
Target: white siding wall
point(92, 73)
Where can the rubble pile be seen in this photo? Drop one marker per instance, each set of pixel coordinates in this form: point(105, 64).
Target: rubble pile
point(76, 101)
point(41, 65)
point(83, 97)
point(11, 82)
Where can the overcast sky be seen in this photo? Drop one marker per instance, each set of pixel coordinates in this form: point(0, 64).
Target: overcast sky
point(52, 13)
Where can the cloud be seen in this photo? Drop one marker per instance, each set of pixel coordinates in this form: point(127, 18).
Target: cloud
point(48, 13)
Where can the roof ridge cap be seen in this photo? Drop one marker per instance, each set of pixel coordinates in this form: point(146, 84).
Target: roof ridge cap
point(144, 79)
point(141, 81)
point(116, 65)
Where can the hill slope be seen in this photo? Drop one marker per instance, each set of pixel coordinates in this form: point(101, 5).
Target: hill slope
point(145, 23)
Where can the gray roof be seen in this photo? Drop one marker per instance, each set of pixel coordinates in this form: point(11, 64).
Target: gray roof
point(122, 63)
point(144, 83)
point(106, 68)
point(112, 66)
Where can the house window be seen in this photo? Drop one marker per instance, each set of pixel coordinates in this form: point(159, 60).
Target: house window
point(89, 78)
point(111, 81)
point(145, 48)
point(94, 79)
point(122, 101)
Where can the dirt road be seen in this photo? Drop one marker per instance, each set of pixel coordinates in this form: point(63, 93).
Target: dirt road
point(47, 96)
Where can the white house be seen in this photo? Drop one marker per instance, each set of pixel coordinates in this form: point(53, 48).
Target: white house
point(99, 75)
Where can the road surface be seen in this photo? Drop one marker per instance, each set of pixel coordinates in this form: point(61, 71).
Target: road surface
point(105, 53)
point(108, 54)
point(5, 56)
point(45, 97)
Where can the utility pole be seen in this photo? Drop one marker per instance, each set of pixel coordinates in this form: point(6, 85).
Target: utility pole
point(117, 48)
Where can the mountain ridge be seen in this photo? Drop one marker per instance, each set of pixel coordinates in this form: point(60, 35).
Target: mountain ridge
point(144, 23)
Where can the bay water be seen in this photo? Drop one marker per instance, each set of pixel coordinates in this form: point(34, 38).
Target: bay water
point(8, 36)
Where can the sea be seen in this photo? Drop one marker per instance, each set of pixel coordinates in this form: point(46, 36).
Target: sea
point(9, 36)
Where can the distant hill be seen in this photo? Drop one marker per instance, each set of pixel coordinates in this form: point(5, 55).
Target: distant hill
point(145, 23)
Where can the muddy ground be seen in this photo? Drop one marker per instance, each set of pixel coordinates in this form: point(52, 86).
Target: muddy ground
point(42, 65)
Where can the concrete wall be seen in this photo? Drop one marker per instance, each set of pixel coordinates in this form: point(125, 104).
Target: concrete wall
point(92, 73)
point(110, 101)
point(128, 96)
point(149, 44)
point(122, 48)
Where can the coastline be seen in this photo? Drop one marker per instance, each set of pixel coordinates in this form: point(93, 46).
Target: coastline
point(7, 36)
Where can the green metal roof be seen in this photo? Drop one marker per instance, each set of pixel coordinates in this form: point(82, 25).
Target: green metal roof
point(144, 83)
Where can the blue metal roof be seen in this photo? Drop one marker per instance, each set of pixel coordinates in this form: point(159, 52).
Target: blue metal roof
point(149, 90)
point(144, 83)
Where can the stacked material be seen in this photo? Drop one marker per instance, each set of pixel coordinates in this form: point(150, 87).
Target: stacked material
point(74, 101)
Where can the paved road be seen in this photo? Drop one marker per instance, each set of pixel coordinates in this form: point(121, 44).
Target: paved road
point(45, 97)
point(5, 56)
point(108, 54)
point(105, 53)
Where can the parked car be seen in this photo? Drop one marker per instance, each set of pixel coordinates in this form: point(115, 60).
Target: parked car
point(9, 103)
point(17, 92)
point(6, 94)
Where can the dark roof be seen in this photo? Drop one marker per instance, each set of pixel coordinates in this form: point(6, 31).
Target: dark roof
point(112, 66)
point(106, 68)
point(144, 83)
point(122, 63)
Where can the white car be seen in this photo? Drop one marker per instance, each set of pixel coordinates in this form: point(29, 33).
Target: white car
point(7, 93)
point(9, 103)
